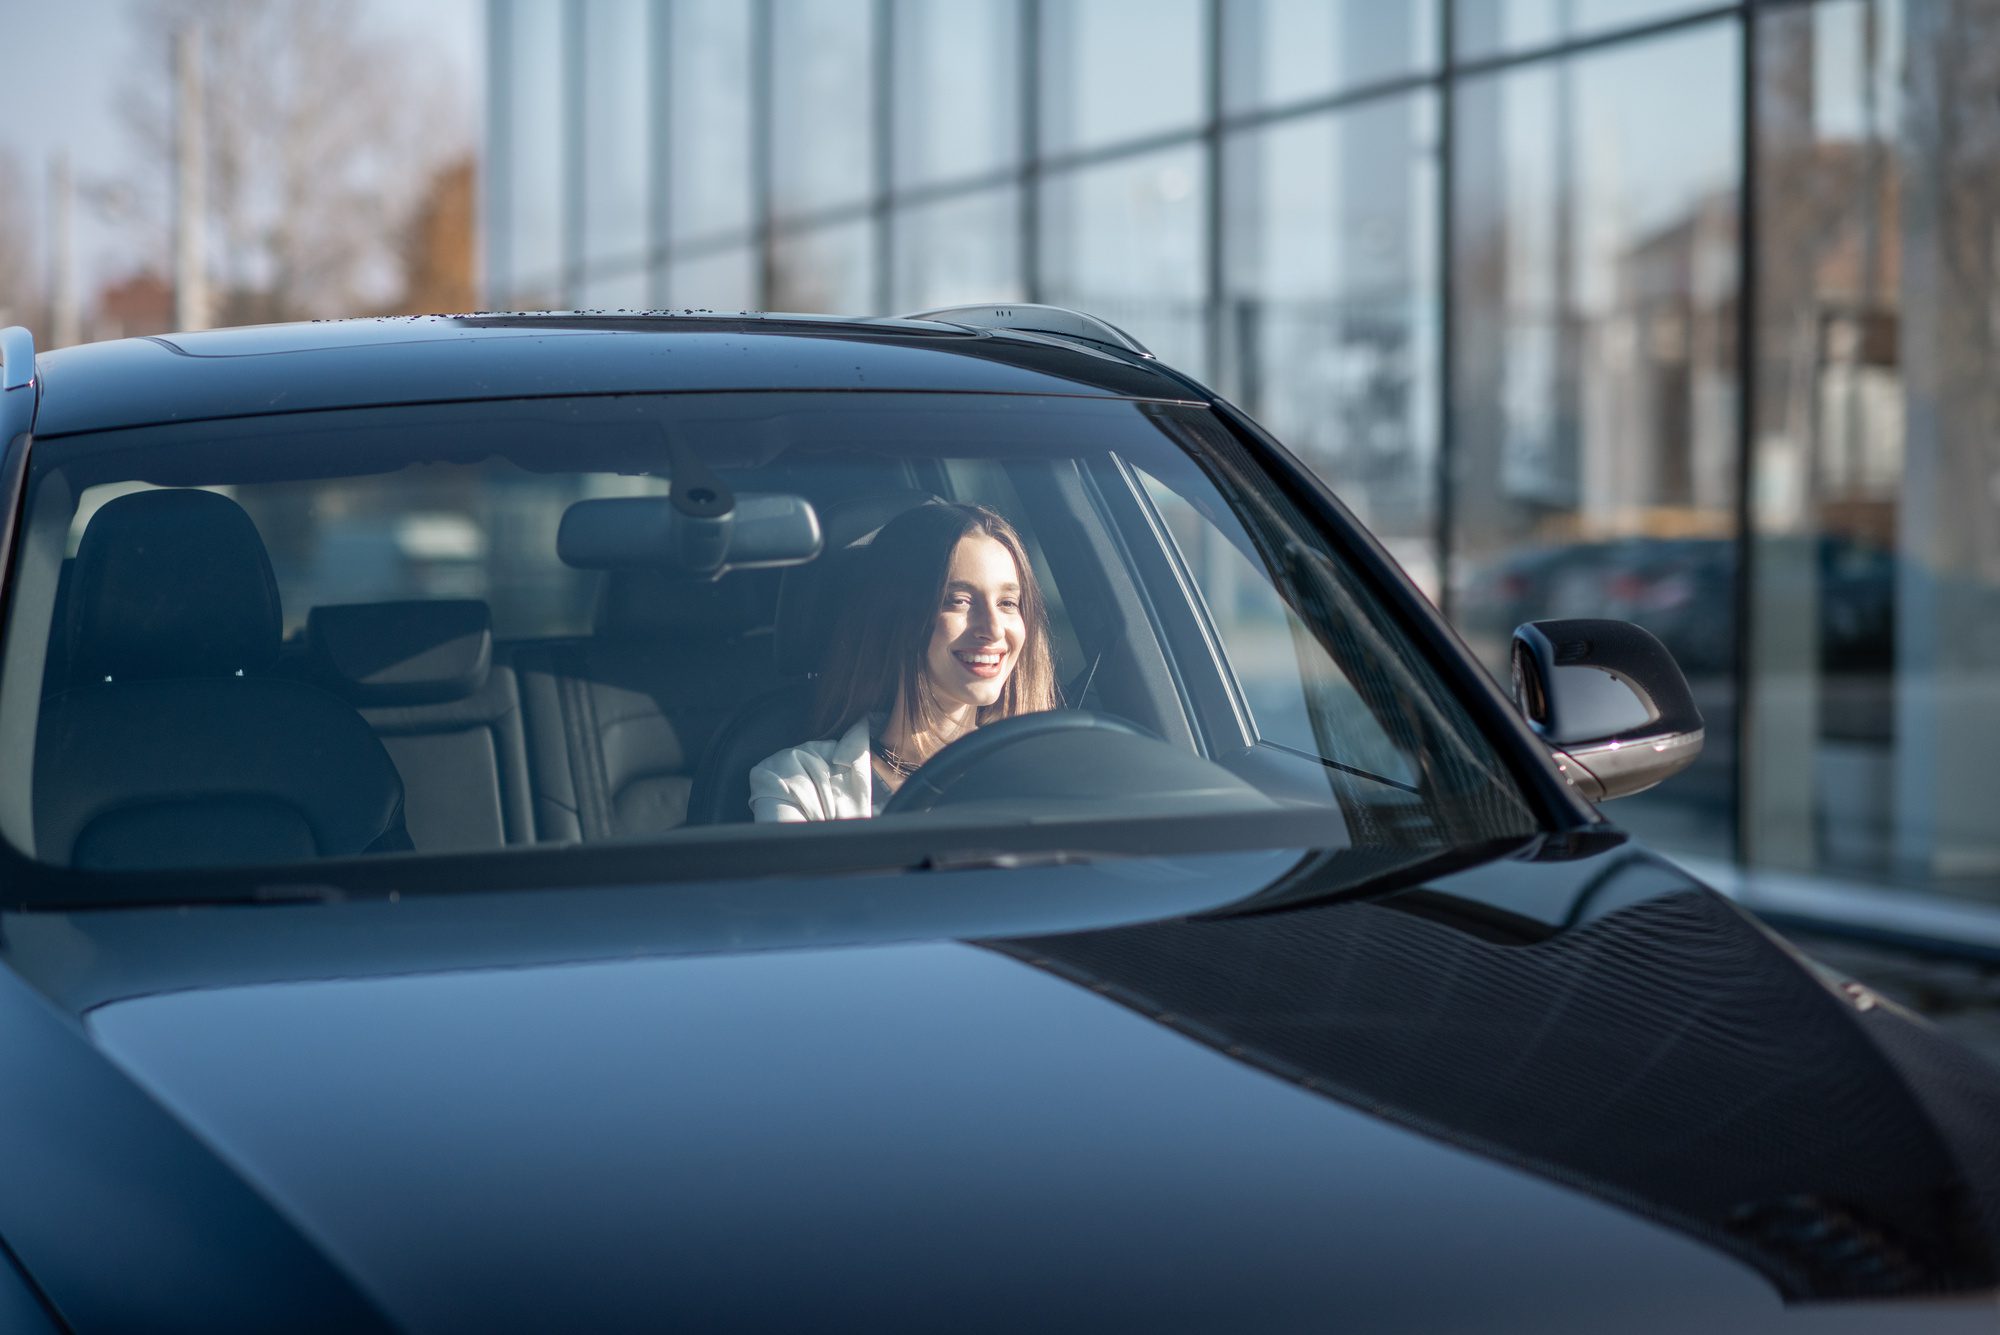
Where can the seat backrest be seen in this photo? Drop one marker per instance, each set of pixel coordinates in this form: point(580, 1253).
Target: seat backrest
point(616, 722)
point(173, 748)
point(760, 729)
point(423, 675)
point(209, 772)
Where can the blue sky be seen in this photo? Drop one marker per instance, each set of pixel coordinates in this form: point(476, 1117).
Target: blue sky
point(67, 59)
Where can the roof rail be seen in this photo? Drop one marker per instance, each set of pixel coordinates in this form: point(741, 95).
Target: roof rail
point(1038, 320)
point(17, 358)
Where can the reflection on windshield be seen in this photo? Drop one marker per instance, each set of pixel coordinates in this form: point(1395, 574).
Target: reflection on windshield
point(1587, 1021)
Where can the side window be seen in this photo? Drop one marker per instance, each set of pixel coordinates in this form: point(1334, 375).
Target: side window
point(1286, 677)
point(485, 531)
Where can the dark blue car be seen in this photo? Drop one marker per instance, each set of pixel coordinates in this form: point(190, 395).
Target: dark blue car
point(391, 939)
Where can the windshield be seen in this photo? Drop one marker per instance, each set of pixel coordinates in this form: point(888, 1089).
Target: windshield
point(735, 621)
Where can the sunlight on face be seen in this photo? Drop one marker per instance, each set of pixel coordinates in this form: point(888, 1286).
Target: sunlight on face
point(979, 632)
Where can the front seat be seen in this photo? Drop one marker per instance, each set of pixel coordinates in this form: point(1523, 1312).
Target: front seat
point(808, 601)
point(169, 748)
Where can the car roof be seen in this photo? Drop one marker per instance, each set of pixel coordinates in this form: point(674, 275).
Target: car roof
point(445, 358)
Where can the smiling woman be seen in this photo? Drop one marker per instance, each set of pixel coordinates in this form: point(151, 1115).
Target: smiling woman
point(949, 631)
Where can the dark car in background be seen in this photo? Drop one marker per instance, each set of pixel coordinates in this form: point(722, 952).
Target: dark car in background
point(386, 943)
point(1678, 588)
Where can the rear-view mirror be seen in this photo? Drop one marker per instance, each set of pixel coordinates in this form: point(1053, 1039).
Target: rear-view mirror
point(757, 531)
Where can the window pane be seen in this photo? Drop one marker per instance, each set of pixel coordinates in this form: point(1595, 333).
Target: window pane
point(1114, 70)
point(427, 531)
point(823, 104)
point(1878, 560)
point(1279, 51)
point(1488, 26)
point(533, 206)
point(617, 289)
point(1125, 242)
point(708, 117)
point(830, 270)
point(958, 251)
point(724, 280)
point(616, 140)
point(1594, 460)
point(957, 88)
point(1330, 329)
point(1298, 697)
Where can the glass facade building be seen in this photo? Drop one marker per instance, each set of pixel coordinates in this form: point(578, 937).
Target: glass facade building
point(1672, 311)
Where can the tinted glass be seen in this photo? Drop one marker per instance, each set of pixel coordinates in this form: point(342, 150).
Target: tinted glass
point(708, 116)
point(1280, 51)
point(1877, 587)
point(957, 251)
point(957, 88)
point(439, 570)
point(484, 531)
point(1486, 27)
point(529, 250)
point(1127, 242)
point(1595, 460)
point(1118, 70)
point(617, 138)
point(829, 270)
point(823, 91)
point(1298, 696)
point(1330, 325)
point(615, 288)
point(719, 280)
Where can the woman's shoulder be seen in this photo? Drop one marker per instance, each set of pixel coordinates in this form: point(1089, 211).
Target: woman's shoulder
point(817, 780)
point(805, 758)
point(850, 748)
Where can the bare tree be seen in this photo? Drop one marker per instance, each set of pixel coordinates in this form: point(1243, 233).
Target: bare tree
point(20, 293)
point(437, 243)
point(322, 138)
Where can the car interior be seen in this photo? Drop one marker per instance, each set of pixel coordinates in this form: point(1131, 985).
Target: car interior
point(267, 646)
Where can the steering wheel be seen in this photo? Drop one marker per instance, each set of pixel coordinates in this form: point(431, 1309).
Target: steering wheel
point(1066, 758)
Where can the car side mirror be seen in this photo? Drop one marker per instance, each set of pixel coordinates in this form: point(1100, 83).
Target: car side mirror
point(1609, 701)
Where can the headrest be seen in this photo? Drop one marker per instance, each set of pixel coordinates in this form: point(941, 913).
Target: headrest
point(811, 596)
point(412, 653)
point(658, 605)
point(172, 584)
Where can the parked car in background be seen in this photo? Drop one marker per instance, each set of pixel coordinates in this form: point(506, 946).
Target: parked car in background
point(1675, 587)
point(1682, 589)
point(386, 942)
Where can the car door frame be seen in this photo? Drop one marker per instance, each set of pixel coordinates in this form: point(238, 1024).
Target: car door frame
point(1210, 691)
point(20, 396)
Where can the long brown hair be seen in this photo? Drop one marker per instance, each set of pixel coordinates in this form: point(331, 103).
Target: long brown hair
point(880, 644)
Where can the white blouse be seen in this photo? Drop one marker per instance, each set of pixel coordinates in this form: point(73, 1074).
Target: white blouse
point(816, 781)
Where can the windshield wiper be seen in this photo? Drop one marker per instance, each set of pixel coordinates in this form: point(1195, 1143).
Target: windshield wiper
point(996, 859)
point(1316, 881)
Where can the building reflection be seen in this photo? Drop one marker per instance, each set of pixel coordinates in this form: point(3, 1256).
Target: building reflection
point(1482, 263)
point(1588, 1016)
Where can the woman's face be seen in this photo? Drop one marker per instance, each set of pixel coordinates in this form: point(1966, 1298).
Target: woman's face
point(979, 633)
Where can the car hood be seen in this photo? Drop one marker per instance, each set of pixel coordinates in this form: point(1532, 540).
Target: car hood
point(1192, 1123)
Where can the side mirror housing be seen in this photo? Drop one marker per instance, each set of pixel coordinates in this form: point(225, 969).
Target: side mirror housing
point(1609, 701)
